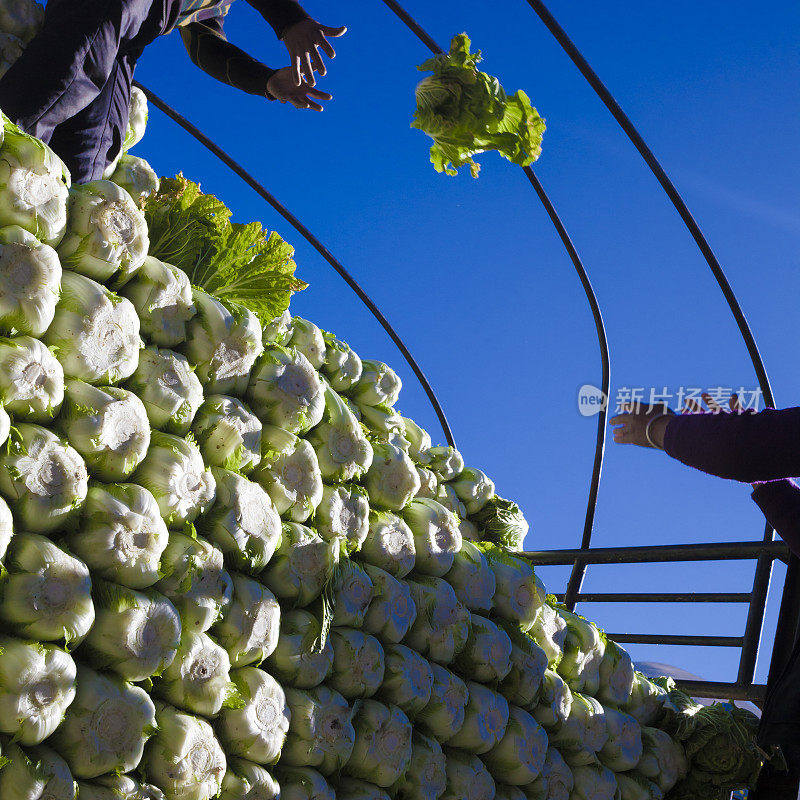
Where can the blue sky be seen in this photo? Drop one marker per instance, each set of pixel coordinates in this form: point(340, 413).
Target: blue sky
point(474, 278)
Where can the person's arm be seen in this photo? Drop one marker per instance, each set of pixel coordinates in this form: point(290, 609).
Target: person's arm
point(779, 501)
point(751, 447)
point(280, 14)
point(209, 49)
point(214, 54)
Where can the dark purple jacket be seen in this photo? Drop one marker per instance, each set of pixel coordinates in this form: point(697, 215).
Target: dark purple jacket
point(762, 447)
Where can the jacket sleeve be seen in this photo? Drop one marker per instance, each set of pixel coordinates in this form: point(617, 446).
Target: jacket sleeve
point(780, 503)
point(214, 54)
point(280, 14)
point(749, 447)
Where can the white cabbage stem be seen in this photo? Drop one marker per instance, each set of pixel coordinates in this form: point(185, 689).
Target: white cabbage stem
point(242, 523)
point(138, 113)
point(445, 461)
point(382, 749)
point(118, 787)
point(36, 772)
point(30, 278)
point(184, 757)
point(352, 594)
point(437, 538)
point(379, 384)
point(485, 720)
point(555, 781)
point(121, 535)
point(44, 479)
point(289, 471)
point(94, 332)
point(277, 330)
point(245, 780)
point(474, 488)
point(198, 679)
point(408, 680)
point(419, 442)
point(343, 513)
point(520, 755)
point(286, 391)
point(136, 634)
point(549, 629)
point(298, 659)
point(37, 685)
point(389, 544)
point(31, 379)
point(519, 594)
point(391, 612)
point(301, 565)
point(555, 701)
point(105, 727)
point(35, 186)
point(472, 578)
point(358, 663)
point(108, 426)
point(136, 177)
point(177, 477)
point(258, 729)
point(6, 527)
point(228, 434)
point(303, 783)
point(342, 366)
point(307, 339)
point(441, 627)
point(392, 479)
point(343, 451)
point(224, 342)
point(45, 592)
point(426, 776)
point(106, 233)
point(467, 777)
point(167, 385)
point(321, 733)
point(528, 664)
point(444, 713)
point(486, 656)
point(195, 581)
point(249, 630)
point(162, 297)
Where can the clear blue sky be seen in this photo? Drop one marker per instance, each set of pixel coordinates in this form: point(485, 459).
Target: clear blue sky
point(473, 276)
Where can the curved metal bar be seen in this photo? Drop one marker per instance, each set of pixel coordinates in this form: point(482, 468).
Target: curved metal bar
point(313, 241)
point(763, 572)
point(579, 567)
point(661, 176)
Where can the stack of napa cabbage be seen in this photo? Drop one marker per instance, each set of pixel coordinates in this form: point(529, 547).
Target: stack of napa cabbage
point(232, 568)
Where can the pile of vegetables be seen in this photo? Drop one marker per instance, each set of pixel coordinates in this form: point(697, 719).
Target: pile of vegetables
point(232, 568)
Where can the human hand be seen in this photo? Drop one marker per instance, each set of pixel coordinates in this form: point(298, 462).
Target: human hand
point(694, 406)
point(642, 424)
point(282, 87)
point(303, 41)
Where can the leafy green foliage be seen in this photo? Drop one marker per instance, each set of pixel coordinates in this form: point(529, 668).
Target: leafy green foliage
point(239, 263)
point(466, 112)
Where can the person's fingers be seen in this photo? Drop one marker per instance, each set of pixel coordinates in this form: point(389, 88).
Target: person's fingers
point(319, 94)
point(692, 406)
point(619, 419)
point(316, 61)
point(307, 69)
point(296, 77)
point(298, 102)
point(334, 32)
point(735, 403)
point(312, 104)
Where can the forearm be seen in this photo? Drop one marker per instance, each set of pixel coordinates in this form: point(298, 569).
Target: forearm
point(280, 14)
point(744, 447)
point(222, 60)
point(780, 503)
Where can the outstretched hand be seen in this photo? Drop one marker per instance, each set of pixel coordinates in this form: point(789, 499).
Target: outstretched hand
point(641, 424)
point(303, 40)
point(282, 87)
